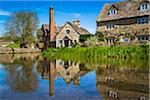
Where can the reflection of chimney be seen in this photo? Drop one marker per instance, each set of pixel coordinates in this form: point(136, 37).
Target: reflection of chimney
point(51, 24)
point(52, 77)
point(76, 22)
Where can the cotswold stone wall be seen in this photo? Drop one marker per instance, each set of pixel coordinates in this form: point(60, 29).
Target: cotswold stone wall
point(5, 43)
point(17, 50)
point(73, 35)
point(123, 26)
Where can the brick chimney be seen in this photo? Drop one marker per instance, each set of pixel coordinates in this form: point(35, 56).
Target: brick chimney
point(76, 22)
point(51, 24)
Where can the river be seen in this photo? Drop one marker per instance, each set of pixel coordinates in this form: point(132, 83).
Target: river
point(33, 77)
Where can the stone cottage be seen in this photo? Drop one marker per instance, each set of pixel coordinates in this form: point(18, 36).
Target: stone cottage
point(123, 20)
point(62, 36)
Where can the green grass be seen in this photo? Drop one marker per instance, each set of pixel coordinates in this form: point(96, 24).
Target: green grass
point(14, 45)
point(121, 55)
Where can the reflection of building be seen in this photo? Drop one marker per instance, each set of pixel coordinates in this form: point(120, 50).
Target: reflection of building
point(68, 71)
point(122, 83)
point(71, 72)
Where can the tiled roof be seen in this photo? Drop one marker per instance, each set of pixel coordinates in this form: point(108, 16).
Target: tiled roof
point(80, 30)
point(125, 9)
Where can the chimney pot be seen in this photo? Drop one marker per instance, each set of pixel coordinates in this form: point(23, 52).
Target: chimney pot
point(76, 22)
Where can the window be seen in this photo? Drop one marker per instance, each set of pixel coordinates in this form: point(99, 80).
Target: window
point(112, 94)
point(142, 98)
point(67, 31)
point(112, 12)
point(75, 41)
point(142, 20)
point(110, 26)
point(144, 6)
point(60, 41)
point(143, 38)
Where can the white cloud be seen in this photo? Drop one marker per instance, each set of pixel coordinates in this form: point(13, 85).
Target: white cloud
point(75, 15)
point(6, 13)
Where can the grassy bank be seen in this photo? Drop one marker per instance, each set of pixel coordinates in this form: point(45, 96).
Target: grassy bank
point(14, 45)
point(140, 51)
point(84, 53)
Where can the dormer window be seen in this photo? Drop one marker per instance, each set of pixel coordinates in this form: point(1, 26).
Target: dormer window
point(144, 6)
point(112, 11)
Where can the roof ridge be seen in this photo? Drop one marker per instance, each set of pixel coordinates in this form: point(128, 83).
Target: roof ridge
point(127, 9)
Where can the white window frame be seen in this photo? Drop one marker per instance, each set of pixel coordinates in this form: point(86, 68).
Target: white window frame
point(144, 6)
point(143, 20)
point(113, 11)
point(110, 26)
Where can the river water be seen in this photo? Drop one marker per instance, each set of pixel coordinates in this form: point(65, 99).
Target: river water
point(33, 77)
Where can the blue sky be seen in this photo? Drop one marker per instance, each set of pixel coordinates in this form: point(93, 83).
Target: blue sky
point(85, 10)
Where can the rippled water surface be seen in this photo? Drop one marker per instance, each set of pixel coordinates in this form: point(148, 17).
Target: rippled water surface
point(33, 77)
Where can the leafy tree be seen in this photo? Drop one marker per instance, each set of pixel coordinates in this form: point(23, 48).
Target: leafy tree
point(22, 24)
point(39, 34)
point(100, 35)
point(92, 41)
point(83, 38)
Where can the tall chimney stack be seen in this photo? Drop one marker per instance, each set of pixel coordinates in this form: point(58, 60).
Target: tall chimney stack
point(51, 24)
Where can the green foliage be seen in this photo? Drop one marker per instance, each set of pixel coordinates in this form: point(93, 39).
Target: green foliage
point(84, 37)
point(22, 26)
point(92, 41)
point(6, 38)
point(14, 45)
point(39, 34)
point(100, 36)
point(100, 54)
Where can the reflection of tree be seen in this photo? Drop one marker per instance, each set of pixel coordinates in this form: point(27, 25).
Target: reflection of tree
point(22, 75)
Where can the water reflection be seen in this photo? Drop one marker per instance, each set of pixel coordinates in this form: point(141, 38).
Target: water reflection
point(122, 83)
point(21, 74)
point(25, 74)
point(69, 71)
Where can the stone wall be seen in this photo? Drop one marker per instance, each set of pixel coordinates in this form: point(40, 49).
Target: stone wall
point(73, 35)
point(17, 50)
point(5, 43)
point(123, 26)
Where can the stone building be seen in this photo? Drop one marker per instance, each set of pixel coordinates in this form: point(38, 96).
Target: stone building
point(62, 36)
point(123, 20)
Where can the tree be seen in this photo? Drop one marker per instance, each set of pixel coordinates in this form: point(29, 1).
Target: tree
point(92, 41)
point(22, 24)
point(39, 34)
point(100, 35)
point(83, 38)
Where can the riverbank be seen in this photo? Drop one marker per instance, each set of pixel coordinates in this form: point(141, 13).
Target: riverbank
point(95, 54)
point(7, 50)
